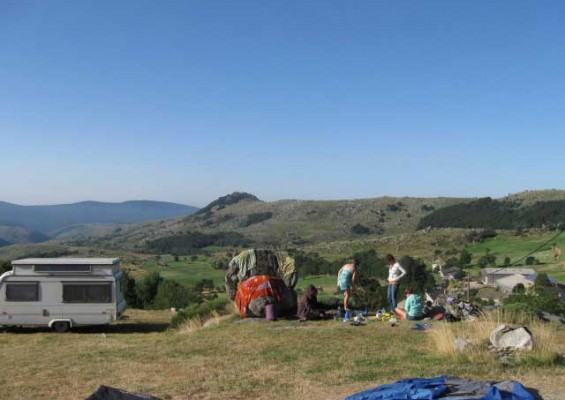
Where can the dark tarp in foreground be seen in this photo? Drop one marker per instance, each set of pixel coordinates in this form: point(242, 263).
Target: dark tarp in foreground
point(445, 388)
point(108, 393)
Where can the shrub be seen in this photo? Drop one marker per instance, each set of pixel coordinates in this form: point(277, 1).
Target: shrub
point(171, 294)
point(5, 266)
point(329, 301)
point(202, 310)
point(359, 229)
point(146, 289)
point(465, 258)
point(531, 260)
point(128, 287)
point(256, 218)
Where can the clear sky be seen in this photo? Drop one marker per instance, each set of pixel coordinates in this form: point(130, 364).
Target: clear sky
point(187, 101)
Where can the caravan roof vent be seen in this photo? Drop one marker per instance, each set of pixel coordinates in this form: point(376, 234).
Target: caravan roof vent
point(62, 268)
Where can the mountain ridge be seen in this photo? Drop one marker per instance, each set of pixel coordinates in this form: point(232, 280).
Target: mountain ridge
point(45, 219)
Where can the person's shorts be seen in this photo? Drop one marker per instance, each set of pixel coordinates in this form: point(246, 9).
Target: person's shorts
point(414, 318)
point(343, 287)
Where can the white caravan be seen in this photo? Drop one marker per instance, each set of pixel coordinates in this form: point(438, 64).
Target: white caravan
point(61, 292)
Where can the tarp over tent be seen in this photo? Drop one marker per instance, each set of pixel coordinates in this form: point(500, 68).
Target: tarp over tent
point(256, 292)
point(445, 388)
point(255, 262)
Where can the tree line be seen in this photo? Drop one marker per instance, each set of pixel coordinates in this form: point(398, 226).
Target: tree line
point(487, 213)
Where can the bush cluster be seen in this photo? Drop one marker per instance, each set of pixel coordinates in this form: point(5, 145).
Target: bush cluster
point(154, 292)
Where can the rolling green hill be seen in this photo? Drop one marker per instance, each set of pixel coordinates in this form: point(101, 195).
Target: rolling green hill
point(289, 223)
point(310, 223)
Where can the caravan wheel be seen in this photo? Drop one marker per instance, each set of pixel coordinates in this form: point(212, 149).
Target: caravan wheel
point(61, 326)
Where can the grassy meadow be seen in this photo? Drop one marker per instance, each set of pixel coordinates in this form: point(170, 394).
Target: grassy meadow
point(241, 360)
point(185, 271)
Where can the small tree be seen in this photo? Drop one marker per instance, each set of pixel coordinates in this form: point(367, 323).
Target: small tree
point(128, 287)
point(465, 258)
point(531, 260)
point(483, 261)
point(171, 294)
point(542, 280)
point(147, 289)
point(359, 229)
point(5, 266)
point(506, 261)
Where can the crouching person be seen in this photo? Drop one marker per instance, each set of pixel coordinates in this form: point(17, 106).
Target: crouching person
point(413, 307)
point(308, 308)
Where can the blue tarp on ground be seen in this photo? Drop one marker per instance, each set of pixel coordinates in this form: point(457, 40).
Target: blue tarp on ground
point(445, 388)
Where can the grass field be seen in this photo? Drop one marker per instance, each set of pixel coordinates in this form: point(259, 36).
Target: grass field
point(185, 271)
point(517, 247)
point(261, 360)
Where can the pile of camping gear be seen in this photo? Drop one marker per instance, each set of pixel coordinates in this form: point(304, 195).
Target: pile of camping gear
point(450, 309)
point(261, 282)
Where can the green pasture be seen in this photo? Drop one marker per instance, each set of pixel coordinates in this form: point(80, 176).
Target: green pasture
point(185, 271)
point(328, 282)
point(517, 247)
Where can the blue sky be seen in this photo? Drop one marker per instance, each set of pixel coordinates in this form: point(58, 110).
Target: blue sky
point(186, 101)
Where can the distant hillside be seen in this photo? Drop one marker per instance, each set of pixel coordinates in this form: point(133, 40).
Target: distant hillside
point(523, 210)
point(287, 222)
point(531, 197)
point(16, 234)
point(49, 218)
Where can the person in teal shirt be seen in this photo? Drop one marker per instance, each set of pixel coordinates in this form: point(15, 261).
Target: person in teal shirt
point(413, 307)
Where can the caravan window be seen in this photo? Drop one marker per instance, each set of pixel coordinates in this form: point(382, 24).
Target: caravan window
point(87, 292)
point(28, 291)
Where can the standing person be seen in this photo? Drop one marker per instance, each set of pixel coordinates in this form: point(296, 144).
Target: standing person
point(346, 280)
point(413, 307)
point(395, 273)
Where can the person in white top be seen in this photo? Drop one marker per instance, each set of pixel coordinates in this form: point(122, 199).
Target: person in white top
point(395, 273)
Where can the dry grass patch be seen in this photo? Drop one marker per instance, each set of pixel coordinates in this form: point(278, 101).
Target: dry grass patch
point(264, 360)
point(474, 336)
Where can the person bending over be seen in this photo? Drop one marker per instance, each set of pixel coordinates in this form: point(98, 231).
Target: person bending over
point(346, 281)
